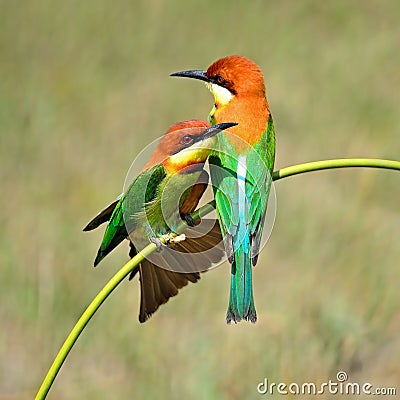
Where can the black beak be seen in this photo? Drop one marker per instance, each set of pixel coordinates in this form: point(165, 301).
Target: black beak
point(213, 130)
point(193, 73)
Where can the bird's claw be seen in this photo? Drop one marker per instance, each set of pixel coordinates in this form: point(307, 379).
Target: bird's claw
point(166, 239)
point(178, 238)
point(158, 243)
point(188, 219)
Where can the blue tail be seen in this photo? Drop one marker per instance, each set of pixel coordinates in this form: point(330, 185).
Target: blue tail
point(241, 302)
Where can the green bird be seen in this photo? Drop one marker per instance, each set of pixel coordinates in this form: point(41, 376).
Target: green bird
point(167, 191)
point(241, 169)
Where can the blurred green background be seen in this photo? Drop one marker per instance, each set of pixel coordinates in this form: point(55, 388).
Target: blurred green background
point(84, 87)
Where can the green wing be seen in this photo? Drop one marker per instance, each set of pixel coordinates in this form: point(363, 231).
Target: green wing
point(142, 190)
point(103, 216)
point(241, 181)
point(223, 177)
point(257, 189)
point(259, 166)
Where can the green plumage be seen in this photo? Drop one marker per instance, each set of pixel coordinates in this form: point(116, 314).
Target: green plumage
point(149, 209)
point(241, 186)
point(155, 204)
point(124, 219)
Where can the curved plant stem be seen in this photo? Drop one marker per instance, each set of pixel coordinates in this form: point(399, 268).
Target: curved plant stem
point(336, 163)
point(98, 301)
point(135, 261)
point(87, 315)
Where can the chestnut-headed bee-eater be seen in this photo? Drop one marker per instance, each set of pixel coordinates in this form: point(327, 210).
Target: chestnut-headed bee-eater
point(247, 155)
point(166, 191)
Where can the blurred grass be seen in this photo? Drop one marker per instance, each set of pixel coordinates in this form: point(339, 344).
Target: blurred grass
point(84, 86)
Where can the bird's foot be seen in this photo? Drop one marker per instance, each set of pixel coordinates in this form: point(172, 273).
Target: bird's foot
point(188, 219)
point(158, 243)
point(171, 238)
point(168, 238)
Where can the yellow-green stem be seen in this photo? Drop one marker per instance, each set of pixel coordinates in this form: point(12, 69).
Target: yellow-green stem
point(135, 261)
point(336, 163)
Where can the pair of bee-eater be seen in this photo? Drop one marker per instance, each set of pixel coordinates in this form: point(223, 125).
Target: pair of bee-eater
point(241, 162)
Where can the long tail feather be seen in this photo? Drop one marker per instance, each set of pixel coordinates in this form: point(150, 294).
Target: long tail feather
point(241, 302)
point(158, 285)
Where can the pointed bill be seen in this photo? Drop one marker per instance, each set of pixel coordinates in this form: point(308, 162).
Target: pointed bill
point(213, 130)
point(193, 73)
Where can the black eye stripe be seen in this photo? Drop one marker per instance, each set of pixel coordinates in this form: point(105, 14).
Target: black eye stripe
point(218, 79)
point(221, 81)
point(187, 139)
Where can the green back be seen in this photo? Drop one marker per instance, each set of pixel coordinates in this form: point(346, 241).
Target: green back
point(141, 191)
point(259, 166)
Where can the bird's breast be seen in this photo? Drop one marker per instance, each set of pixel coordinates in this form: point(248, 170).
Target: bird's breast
point(251, 116)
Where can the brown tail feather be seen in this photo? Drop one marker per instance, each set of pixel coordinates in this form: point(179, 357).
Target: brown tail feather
point(158, 284)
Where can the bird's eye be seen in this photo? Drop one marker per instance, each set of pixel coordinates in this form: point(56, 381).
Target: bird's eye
point(220, 80)
point(186, 139)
